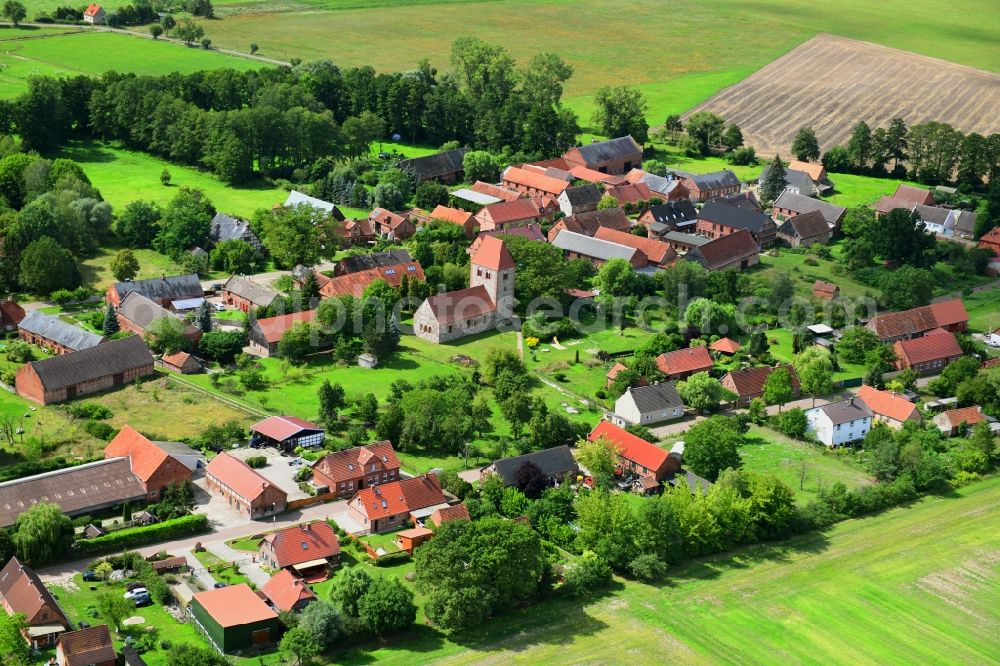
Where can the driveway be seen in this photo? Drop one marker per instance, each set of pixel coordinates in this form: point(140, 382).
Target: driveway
point(247, 562)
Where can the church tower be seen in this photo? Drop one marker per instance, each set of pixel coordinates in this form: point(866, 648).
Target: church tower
point(493, 268)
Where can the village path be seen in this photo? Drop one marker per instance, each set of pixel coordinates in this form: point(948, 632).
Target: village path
point(246, 561)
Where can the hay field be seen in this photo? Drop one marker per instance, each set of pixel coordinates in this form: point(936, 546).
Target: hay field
point(830, 83)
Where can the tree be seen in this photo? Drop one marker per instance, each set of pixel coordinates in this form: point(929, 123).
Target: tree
point(190, 32)
point(588, 574)
point(366, 408)
point(186, 222)
point(234, 256)
point(331, 400)
point(298, 644)
point(349, 589)
point(860, 147)
point(47, 266)
point(530, 480)
point(203, 319)
point(712, 446)
point(901, 237)
point(138, 224)
point(168, 23)
point(186, 654)
point(758, 346)
point(600, 458)
point(254, 48)
point(430, 194)
point(621, 111)
point(322, 622)
point(297, 341)
point(774, 183)
point(388, 196)
point(222, 346)
point(481, 165)
point(705, 129)
point(110, 326)
point(516, 408)
point(805, 147)
point(906, 287)
point(156, 30)
point(855, 343)
point(616, 278)
point(702, 391)
point(386, 607)
point(167, 336)
point(114, 608)
point(732, 138)
point(883, 452)
point(292, 235)
point(778, 387)
point(793, 423)
point(13, 647)
point(124, 266)
point(815, 370)
point(14, 11)
point(608, 526)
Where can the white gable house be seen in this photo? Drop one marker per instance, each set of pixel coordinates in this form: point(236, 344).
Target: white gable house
point(648, 404)
point(841, 422)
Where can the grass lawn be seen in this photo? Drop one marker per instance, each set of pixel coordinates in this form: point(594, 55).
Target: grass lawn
point(984, 309)
point(386, 541)
point(222, 571)
point(773, 453)
point(250, 545)
point(781, 349)
point(96, 270)
point(818, 598)
point(48, 431)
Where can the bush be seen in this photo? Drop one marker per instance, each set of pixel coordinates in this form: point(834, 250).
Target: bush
point(391, 559)
point(647, 568)
point(100, 430)
point(61, 296)
point(90, 410)
point(140, 536)
point(257, 462)
point(587, 575)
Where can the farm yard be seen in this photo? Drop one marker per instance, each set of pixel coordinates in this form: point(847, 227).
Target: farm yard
point(860, 81)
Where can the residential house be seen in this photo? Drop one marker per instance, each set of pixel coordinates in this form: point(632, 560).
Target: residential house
point(588, 223)
point(706, 186)
point(355, 232)
point(264, 334)
point(345, 472)
point(738, 251)
point(162, 290)
point(937, 220)
point(138, 314)
point(954, 421)
point(354, 284)
point(825, 290)
point(155, 468)
point(580, 199)
point(672, 216)
point(805, 230)
point(718, 218)
point(90, 646)
point(965, 224)
point(636, 455)
point(11, 314)
point(244, 488)
point(365, 262)
point(306, 549)
point(234, 618)
point(840, 423)
point(388, 506)
point(991, 240)
point(226, 228)
point(596, 251)
point(22, 591)
point(296, 198)
point(726, 346)
point(629, 194)
point(658, 253)
point(391, 226)
point(510, 214)
point(796, 182)
point(495, 191)
point(748, 384)
point(445, 167)
point(287, 593)
point(816, 172)
point(529, 231)
point(53, 334)
point(456, 216)
point(917, 195)
point(644, 405)
point(928, 354)
point(181, 362)
point(446, 514)
point(109, 365)
point(614, 156)
point(531, 183)
point(949, 315)
point(682, 242)
point(287, 433)
point(789, 205)
point(94, 14)
point(245, 295)
point(682, 363)
point(555, 464)
point(666, 189)
point(888, 407)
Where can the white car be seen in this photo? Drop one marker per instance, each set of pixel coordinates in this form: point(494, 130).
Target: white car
point(219, 307)
point(137, 592)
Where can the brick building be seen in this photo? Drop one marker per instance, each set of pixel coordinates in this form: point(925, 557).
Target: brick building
point(614, 156)
point(243, 488)
point(345, 472)
point(154, 467)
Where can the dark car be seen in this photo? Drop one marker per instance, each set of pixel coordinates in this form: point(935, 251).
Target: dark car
point(219, 585)
point(143, 600)
point(82, 625)
point(217, 286)
point(134, 586)
point(90, 577)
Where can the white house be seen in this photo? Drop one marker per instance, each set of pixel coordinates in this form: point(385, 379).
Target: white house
point(648, 404)
point(841, 422)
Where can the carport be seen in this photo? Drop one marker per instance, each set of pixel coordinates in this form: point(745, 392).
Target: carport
point(286, 433)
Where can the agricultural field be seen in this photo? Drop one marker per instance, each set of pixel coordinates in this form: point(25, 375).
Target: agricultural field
point(859, 81)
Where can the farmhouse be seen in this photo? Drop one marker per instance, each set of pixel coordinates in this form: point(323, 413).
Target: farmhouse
point(702, 187)
point(245, 295)
point(181, 362)
point(683, 363)
point(227, 228)
point(90, 646)
point(953, 421)
point(658, 254)
point(264, 335)
point(796, 182)
point(738, 251)
point(391, 226)
point(455, 216)
point(890, 408)
point(748, 384)
point(138, 314)
point(614, 156)
point(531, 183)
point(588, 223)
point(596, 251)
point(243, 488)
point(94, 14)
point(287, 433)
point(350, 470)
point(718, 218)
point(288, 593)
point(355, 232)
point(307, 549)
point(354, 284)
point(155, 468)
point(509, 214)
point(825, 290)
point(388, 506)
point(162, 290)
point(22, 591)
point(666, 189)
point(789, 205)
point(11, 314)
point(445, 167)
point(653, 403)
point(87, 371)
point(805, 229)
point(635, 454)
point(991, 240)
point(580, 199)
point(841, 422)
point(949, 315)
point(673, 216)
point(817, 174)
point(928, 354)
point(555, 464)
point(234, 618)
point(55, 335)
point(296, 198)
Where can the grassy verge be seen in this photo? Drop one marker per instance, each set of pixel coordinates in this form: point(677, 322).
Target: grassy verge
point(221, 571)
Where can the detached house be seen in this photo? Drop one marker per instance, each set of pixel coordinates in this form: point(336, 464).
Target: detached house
point(952, 422)
point(94, 14)
point(805, 230)
point(673, 216)
point(636, 455)
point(719, 218)
point(388, 506)
point(581, 199)
point(90, 646)
point(738, 251)
point(391, 226)
point(345, 472)
point(245, 295)
point(796, 182)
point(840, 423)
point(816, 173)
point(555, 464)
point(614, 156)
point(226, 228)
point(653, 403)
point(22, 591)
point(890, 408)
point(749, 383)
point(928, 354)
point(683, 363)
point(706, 186)
point(307, 550)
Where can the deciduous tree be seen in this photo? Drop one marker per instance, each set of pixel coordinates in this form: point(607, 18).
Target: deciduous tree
point(805, 147)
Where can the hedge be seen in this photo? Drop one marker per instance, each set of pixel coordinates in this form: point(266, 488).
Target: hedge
point(389, 559)
point(141, 536)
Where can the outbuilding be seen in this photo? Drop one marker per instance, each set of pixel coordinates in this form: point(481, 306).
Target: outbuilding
point(287, 433)
point(234, 618)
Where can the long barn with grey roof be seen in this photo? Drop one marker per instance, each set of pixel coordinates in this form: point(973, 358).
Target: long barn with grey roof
point(705, 186)
point(446, 167)
point(614, 156)
point(597, 252)
point(55, 335)
point(162, 290)
point(789, 204)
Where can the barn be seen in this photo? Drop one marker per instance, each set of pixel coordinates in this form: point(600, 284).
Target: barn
point(234, 618)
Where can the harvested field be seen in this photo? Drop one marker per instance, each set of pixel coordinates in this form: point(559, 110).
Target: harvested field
point(830, 83)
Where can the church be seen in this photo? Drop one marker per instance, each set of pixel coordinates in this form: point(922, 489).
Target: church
point(487, 302)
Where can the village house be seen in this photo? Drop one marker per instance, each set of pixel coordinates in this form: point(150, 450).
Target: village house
point(748, 384)
point(596, 251)
point(90, 646)
point(391, 226)
point(555, 463)
point(181, 362)
point(789, 205)
point(287, 433)
point(355, 232)
point(446, 167)
point(825, 290)
point(227, 228)
point(614, 156)
point(22, 591)
point(287, 593)
point(917, 195)
point(666, 189)
point(457, 217)
point(531, 183)
point(308, 550)
point(354, 284)
point(345, 472)
point(495, 191)
point(890, 408)
point(138, 314)
point(162, 290)
point(264, 335)
point(54, 335)
point(706, 186)
point(682, 363)
point(580, 199)
point(805, 230)
point(726, 346)
point(388, 506)
point(296, 198)
point(481, 307)
point(956, 422)
point(949, 315)
point(738, 251)
point(155, 468)
point(529, 231)
point(510, 214)
point(588, 223)
point(643, 405)
point(928, 354)
point(234, 618)
point(246, 295)
point(628, 194)
point(991, 240)
point(796, 182)
point(673, 216)
point(817, 173)
point(87, 371)
point(11, 314)
point(244, 489)
point(658, 253)
point(445, 514)
point(636, 455)
point(94, 14)
point(840, 423)
point(718, 218)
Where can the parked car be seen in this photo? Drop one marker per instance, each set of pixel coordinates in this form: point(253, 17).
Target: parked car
point(217, 286)
point(144, 600)
point(219, 307)
point(90, 577)
point(135, 586)
point(137, 592)
point(82, 625)
point(219, 585)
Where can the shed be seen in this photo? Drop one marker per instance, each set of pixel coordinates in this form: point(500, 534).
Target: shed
point(410, 539)
point(288, 433)
point(234, 618)
point(367, 361)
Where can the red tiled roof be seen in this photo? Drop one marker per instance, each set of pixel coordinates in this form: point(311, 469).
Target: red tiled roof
point(92, 9)
point(751, 380)
point(690, 360)
point(615, 369)
point(825, 287)
point(349, 464)
point(949, 313)
point(11, 312)
point(83, 647)
point(630, 193)
point(888, 404)
point(726, 346)
point(592, 176)
point(912, 194)
point(725, 249)
point(814, 169)
point(303, 543)
point(280, 428)
point(235, 605)
point(492, 253)
point(273, 328)
point(511, 211)
point(888, 204)
point(390, 499)
point(239, 476)
point(655, 250)
point(447, 513)
point(354, 284)
point(533, 180)
point(460, 305)
point(24, 592)
point(453, 215)
point(178, 359)
point(495, 191)
point(144, 456)
point(631, 447)
point(386, 217)
point(935, 345)
point(968, 415)
point(990, 363)
point(284, 590)
point(990, 237)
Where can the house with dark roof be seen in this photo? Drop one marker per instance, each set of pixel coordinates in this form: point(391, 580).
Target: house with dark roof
point(246, 295)
point(717, 218)
point(888, 407)
point(825, 290)
point(531, 183)
point(287, 433)
point(588, 223)
point(682, 363)
point(306, 549)
point(154, 467)
point(682, 242)
point(226, 228)
point(789, 205)
point(929, 354)
point(296, 198)
point(391, 226)
point(445, 167)
point(345, 472)
point(138, 314)
point(509, 214)
point(244, 488)
point(597, 251)
point(388, 506)
point(579, 199)
point(665, 188)
point(748, 383)
point(264, 334)
point(840, 423)
point(738, 251)
point(949, 315)
point(87, 371)
point(658, 253)
point(90, 646)
point(644, 405)
point(555, 463)
point(706, 186)
point(796, 182)
point(22, 591)
point(614, 156)
point(11, 314)
point(287, 593)
point(53, 334)
point(673, 216)
point(805, 229)
point(364, 262)
point(234, 618)
point(162, 290)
